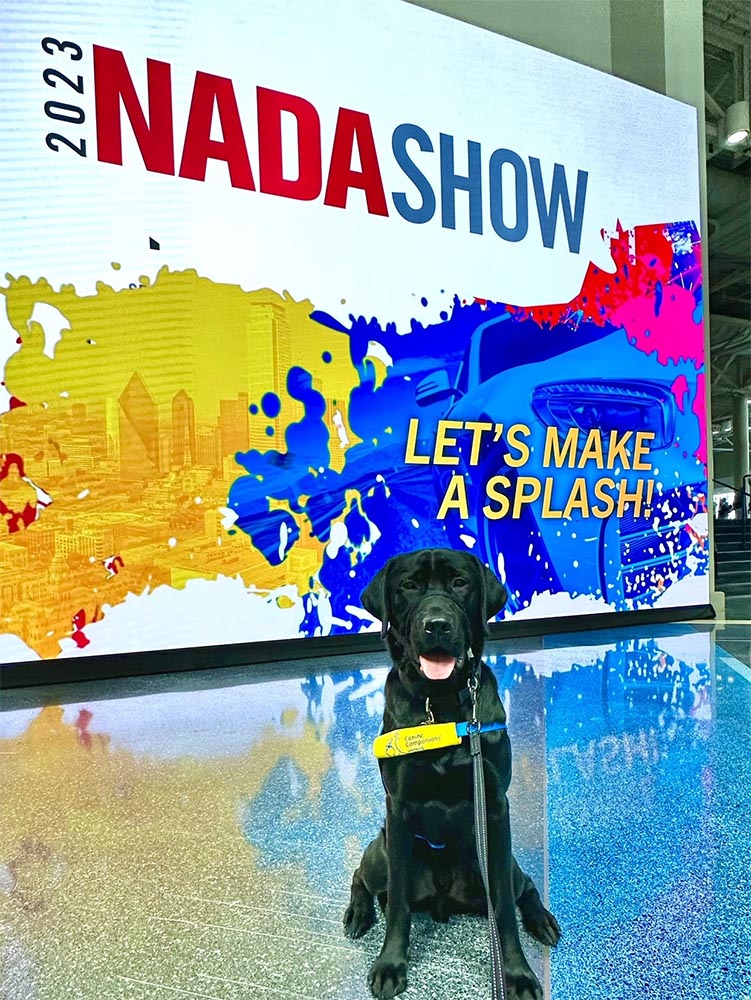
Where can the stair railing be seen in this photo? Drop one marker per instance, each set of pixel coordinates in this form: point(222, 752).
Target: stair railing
point(744, 497)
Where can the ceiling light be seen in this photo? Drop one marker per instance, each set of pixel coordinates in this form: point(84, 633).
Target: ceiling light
point(736, 125)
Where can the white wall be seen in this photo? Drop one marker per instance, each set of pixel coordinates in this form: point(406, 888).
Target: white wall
point(575, 29)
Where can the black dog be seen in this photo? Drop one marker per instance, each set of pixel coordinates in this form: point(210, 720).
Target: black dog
point(434, 606)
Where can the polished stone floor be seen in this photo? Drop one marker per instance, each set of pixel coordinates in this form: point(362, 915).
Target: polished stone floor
point(194, 835)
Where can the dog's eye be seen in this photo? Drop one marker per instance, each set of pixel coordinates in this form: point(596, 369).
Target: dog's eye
point(409, 585)
point(460, 581)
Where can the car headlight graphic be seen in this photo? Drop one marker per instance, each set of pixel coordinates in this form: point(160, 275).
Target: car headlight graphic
point(633, 405)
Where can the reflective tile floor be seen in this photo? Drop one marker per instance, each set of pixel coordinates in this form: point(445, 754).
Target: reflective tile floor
point(194, 835)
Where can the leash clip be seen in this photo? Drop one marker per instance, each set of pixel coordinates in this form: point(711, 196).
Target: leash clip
point(429, 712)
point(472, 683)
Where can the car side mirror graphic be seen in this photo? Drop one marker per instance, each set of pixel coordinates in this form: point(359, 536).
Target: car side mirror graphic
point(434, 388)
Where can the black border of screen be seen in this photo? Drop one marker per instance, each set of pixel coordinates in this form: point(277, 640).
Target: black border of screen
point(61, 670)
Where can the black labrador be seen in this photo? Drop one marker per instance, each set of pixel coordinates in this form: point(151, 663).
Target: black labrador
point(434, 606)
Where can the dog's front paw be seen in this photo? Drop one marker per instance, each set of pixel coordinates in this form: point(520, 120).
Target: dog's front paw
point(538, 921)
point(359, 916)
point(522, 984)
point(545, 928)
point(387, 978)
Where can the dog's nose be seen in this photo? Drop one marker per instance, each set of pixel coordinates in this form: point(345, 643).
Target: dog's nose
point(437, 627)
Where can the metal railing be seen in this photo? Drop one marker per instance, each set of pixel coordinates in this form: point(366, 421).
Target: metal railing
point(742, 503)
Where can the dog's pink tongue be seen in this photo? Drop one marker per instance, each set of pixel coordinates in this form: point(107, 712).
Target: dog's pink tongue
point(438, 669)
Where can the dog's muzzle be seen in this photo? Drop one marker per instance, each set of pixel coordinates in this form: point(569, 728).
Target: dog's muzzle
point(439, 633)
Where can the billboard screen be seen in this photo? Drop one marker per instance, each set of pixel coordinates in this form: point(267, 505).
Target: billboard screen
point(286, 293)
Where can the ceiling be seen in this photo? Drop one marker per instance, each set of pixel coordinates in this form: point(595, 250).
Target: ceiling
point(727, 68)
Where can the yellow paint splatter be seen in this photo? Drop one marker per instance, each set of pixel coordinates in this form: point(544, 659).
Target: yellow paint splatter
point(144, 405)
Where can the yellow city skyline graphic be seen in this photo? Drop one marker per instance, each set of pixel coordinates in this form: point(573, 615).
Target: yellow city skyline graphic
point(128, 436)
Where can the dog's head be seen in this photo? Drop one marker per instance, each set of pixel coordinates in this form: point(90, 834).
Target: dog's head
point(434, 606)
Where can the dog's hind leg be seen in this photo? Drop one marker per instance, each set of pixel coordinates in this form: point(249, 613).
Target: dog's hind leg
point(537, 921)
point(368, 881)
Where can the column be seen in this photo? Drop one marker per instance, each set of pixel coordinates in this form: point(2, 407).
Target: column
point(740, 441)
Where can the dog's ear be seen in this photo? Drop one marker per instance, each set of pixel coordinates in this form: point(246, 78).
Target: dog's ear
point(375, 599)
point(492, 597)
point(494, 594)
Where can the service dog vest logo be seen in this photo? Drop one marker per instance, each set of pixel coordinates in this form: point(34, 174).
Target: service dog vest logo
point(432, 736)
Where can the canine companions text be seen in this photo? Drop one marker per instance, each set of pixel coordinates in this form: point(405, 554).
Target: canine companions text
point(434, 606)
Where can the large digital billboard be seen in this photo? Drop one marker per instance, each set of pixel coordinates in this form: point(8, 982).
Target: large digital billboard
point(291, 288)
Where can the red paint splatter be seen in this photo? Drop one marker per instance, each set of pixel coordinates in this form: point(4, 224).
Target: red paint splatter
point(113, 565)
point(679, 388)
point(658, 316)
point(642, 258)
point(9, 460)
point(82, 725)
point(696, 538)
point(79, 621)
point(15, 519)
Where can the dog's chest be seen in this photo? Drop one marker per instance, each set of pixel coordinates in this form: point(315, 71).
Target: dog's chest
point(444, 778)
point(441, 800)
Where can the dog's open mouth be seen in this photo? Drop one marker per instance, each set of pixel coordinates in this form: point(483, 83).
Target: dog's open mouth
point(437, 666)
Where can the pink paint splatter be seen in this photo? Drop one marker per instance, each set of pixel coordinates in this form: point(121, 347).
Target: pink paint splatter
point(658, 316)
point(679, 388)
point(671, 330)
point(699, 408)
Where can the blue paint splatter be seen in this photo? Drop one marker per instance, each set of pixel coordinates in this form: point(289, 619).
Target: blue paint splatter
point(398, 502)
point(271, 404)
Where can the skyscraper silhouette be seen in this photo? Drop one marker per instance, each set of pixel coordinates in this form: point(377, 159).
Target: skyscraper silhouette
point(139, 432)
point(269, 362)
point(233, 425)
point(183, 430)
